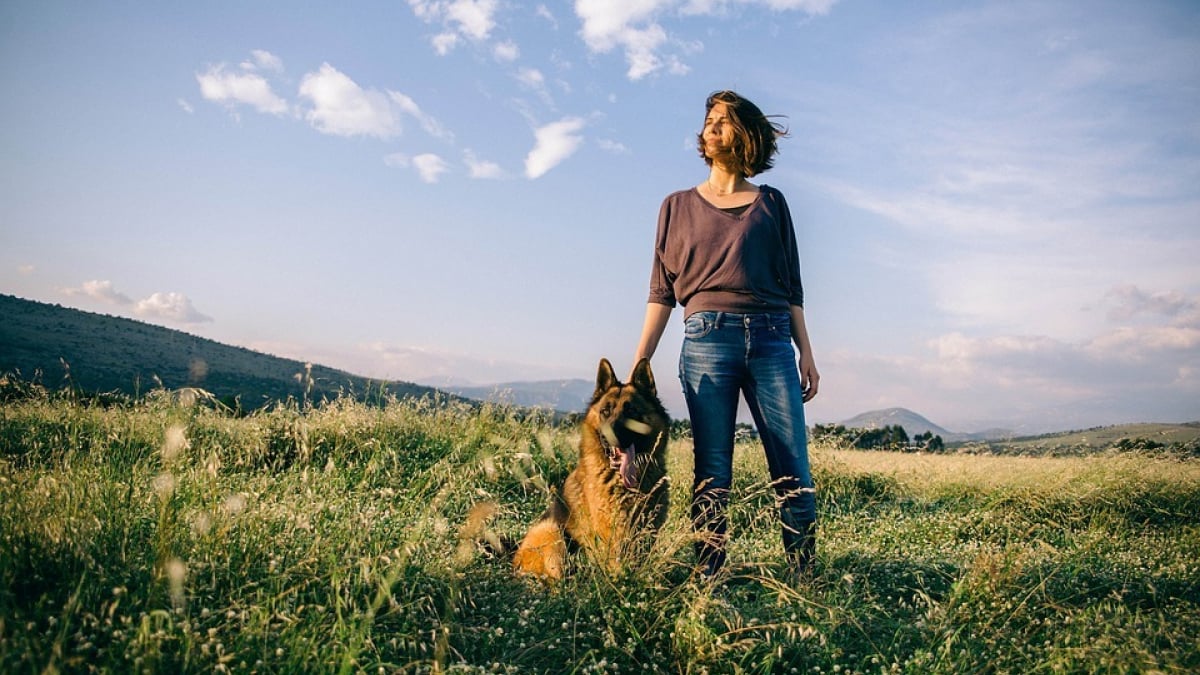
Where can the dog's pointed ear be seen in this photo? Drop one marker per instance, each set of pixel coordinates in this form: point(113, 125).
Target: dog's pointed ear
point(605, 379)
point(642, 377)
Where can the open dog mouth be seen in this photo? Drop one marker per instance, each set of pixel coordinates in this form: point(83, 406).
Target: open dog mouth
point(625, 459)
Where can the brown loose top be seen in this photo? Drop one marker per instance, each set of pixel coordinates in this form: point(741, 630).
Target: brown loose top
point(708, 259)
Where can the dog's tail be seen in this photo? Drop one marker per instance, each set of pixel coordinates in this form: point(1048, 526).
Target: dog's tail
point(476, 534)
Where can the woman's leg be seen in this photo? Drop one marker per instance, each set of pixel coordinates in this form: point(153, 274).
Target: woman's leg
point(776, 401)
point(710, 371)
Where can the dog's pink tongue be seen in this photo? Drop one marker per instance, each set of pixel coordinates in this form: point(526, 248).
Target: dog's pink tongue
point(629, 467)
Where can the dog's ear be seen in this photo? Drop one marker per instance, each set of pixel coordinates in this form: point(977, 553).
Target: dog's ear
point(642, 377)
point(605, 379)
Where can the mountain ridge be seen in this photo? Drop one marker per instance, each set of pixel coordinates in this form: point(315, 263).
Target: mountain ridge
point(915, 423)
point(101, 353)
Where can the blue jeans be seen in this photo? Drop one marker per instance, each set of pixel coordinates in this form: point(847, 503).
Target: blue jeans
point(725, 354)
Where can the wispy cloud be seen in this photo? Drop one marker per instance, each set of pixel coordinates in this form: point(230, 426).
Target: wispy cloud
point(615, 147)
point(470, 19)
point(430, 167)
point(263, 60)
point(478, 168)
point(330, 101)
point(233, 88)
point(171, 306)
point(554, 143)
point(506, 52)
point(427, 122)
point(1132, 302)
point(636, 27)
point(1121, 373)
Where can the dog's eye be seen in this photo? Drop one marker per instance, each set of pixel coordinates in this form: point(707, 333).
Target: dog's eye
point(606, 410)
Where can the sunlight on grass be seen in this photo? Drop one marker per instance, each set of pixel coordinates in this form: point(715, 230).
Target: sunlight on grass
point(169, 536)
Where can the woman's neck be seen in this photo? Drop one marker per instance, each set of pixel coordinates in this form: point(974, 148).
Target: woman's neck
point(722, 182)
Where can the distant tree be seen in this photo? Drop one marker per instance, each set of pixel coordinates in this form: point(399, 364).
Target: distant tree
point(928, 441)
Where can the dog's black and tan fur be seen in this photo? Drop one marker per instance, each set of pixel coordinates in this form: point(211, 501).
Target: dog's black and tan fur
point(617, 495)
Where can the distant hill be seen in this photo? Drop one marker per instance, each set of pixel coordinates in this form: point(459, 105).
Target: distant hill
point(1140, 435)
point(112, 354)
point(561, 395)
point(915, 424)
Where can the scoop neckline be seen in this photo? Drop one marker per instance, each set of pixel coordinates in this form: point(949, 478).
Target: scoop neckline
point(749, 205)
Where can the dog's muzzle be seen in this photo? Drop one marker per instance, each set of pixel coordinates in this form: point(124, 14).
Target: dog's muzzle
point(626, 461)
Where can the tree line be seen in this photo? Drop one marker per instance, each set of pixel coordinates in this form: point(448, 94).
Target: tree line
point(890, 437)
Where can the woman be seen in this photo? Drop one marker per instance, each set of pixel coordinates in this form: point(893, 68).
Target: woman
point(726, 250)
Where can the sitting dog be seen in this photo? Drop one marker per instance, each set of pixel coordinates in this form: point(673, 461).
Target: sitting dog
point(617, 496)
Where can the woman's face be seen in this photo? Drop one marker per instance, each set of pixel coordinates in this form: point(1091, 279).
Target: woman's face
point(718, 132)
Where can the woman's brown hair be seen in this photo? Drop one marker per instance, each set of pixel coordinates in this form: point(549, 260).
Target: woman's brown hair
point(754, 135)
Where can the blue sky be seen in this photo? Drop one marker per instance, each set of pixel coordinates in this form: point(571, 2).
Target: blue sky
point(998, 203)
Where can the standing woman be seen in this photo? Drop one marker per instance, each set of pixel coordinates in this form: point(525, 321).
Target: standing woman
point(726, 250)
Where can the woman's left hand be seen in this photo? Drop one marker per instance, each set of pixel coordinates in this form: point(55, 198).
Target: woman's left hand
point(809, 377)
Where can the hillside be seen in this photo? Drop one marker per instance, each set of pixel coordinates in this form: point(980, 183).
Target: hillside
point(915, 424)
point(1182, 437)
point(98, 353)
point(561, 395)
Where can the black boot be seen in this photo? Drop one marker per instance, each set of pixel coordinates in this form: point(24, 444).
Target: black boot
point(800, 547)
point(711, 525)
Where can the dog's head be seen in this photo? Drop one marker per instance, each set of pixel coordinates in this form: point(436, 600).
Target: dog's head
point(631, 424)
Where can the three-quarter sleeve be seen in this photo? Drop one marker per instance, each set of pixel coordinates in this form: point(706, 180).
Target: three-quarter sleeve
point(791, 251)
point(662, 281)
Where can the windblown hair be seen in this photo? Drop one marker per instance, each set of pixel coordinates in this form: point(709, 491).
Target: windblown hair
point(754, 135)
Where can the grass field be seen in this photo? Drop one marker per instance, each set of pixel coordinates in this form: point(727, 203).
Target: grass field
point(168, 537)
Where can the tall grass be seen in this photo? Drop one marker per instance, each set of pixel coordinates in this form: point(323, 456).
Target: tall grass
point(169, 537)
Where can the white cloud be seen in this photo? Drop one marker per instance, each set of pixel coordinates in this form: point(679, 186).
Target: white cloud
point(545, 13)
point(554, 143)
point(265, 60)
point(342, 108)
point(471, 19)
point(481, 169)
point(506, 52)
point(531, 77)
point(612, 146)
point(634, 26)
point(444, 43)
point(428, 123)
point(231, 89)
point(533, 80)
point(26, 270)
point(430, 167)
point(171, 306)
point(474, 18)
point(184, 105)
point(100, 290)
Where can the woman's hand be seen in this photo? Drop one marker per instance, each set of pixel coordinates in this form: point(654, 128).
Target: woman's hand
point(809, 377)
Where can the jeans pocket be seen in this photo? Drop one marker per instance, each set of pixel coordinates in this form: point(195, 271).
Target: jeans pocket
point(696, 327)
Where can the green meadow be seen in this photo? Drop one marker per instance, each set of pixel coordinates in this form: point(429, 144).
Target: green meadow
point(169, 536)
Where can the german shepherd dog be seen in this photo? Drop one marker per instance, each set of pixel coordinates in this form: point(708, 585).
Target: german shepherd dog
point(615, 500)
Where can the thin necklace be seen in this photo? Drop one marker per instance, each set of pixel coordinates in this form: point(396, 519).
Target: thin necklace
point(717, 192)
